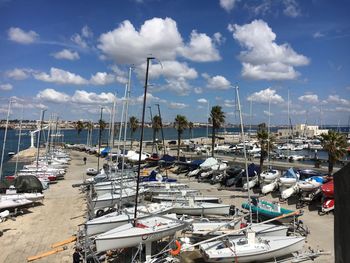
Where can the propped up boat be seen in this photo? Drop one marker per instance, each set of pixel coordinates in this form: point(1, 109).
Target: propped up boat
point(145, 230)
point(250, 248)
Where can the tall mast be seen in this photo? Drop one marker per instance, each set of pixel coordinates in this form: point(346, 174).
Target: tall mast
point(244, 151)
point(268, 132)
point(39, 137)
point(99, 141)
point(19, 140)
point(141, 139)
point(5, 137)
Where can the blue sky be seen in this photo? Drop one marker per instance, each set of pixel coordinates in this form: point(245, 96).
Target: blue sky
point(72, 57)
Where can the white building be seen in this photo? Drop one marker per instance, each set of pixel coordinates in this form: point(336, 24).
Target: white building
point(302, 130)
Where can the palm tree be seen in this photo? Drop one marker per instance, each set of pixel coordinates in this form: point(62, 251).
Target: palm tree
point(156, 126)
point(190, 128)
point(102, 124)
point(134, 124)
point(89, 126)
point(217, 117)
point(266, 142)
point(79, 126)
point(180, 125)
point(335, 144)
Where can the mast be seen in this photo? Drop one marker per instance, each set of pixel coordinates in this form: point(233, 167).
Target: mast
point(268, 133)
point(39, 137)
point(99, 142)
point(141, 139)
point(152, 124)
point(244, 151)
point(19, 140)
point(161, 128)
point(5, 137)
point(121, 124)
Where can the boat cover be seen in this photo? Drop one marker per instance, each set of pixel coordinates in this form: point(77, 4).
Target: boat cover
point(209, 163)
point(342, 214)
point(27, 184)
point(290, 173)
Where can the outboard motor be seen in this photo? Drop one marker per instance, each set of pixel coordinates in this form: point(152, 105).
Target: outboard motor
point(233, 210)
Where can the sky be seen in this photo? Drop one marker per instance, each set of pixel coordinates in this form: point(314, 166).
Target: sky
point(73, 57)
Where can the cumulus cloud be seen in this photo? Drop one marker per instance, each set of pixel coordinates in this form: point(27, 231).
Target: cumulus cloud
point(84, 97)
point(217, 82)
point(309, 98)
point(82, 39)
point(6, 87)
point(60, 76)
point(177, 105)
point(202, 100)
point(51, 95)
point(79, 97)
point(169, 69)
point(157, 37)
point(86, 32)
point(228, 5)
point(102, 78)
point(335, 99)
point(18, 35)
point(201, 48)
point(66, 54)
point(18, 74)
point(263, 96)
point(229, 103)
point(179, 86)
point(198, 90)
point(263, 58)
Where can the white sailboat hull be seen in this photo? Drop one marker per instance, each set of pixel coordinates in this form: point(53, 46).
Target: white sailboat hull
point(151, 229)
point(259, 251)
point(203, 208)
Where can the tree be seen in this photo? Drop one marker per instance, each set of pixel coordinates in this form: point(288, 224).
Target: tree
point(190, 128)
point(267, 143)
point(180, 125)
point(217, 117)
point(102, 124)
point(156, 126)
point(89, 126)
point(79, 126)
point(134, 124)
point(335, 144)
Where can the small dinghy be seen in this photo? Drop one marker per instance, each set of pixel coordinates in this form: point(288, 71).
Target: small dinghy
point(8, 204)
point(208, 199)
point(311, 183)
point(267, 210)
point(289, 178)
point(210, 229)
point(252, 182)
point(200, 208)
point(269, 176)
point(285, 194)
point(115, 219)
point(250, 248)
point(145, 230)
point(268, 188)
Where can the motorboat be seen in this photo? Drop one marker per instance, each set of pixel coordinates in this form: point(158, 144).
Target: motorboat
point(115, 219)
point(251, 248)
point(289, 178)
point(143, 231)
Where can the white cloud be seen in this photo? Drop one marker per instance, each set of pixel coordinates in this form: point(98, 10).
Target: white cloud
point(86, 32)
point(228, 5)
point(149, 97)
point(84, 97)
point(176, 105)
point(102, 78)
point(52, 95)
point(291, 8)
point(263, 96)
point(202, 100)
point(6, 87)
point(157, 36)
point(169, 69)
point(263, 57)
point(335, 99)
point(309, 98)
point(229, 103)
point(18, 74)
point(198, 90)
point(267, 113)
point(77, 39)
point(318, 34)
point(179, 86)
point(26, 104)
point(217, 82)
point(20, 36)
point(60, 76)
point(201, 48)
point(66, 54)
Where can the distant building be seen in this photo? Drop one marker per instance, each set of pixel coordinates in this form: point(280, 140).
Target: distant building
point(302, 130)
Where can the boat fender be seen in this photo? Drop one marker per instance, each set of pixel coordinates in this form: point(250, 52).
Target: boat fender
point(175, 252)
